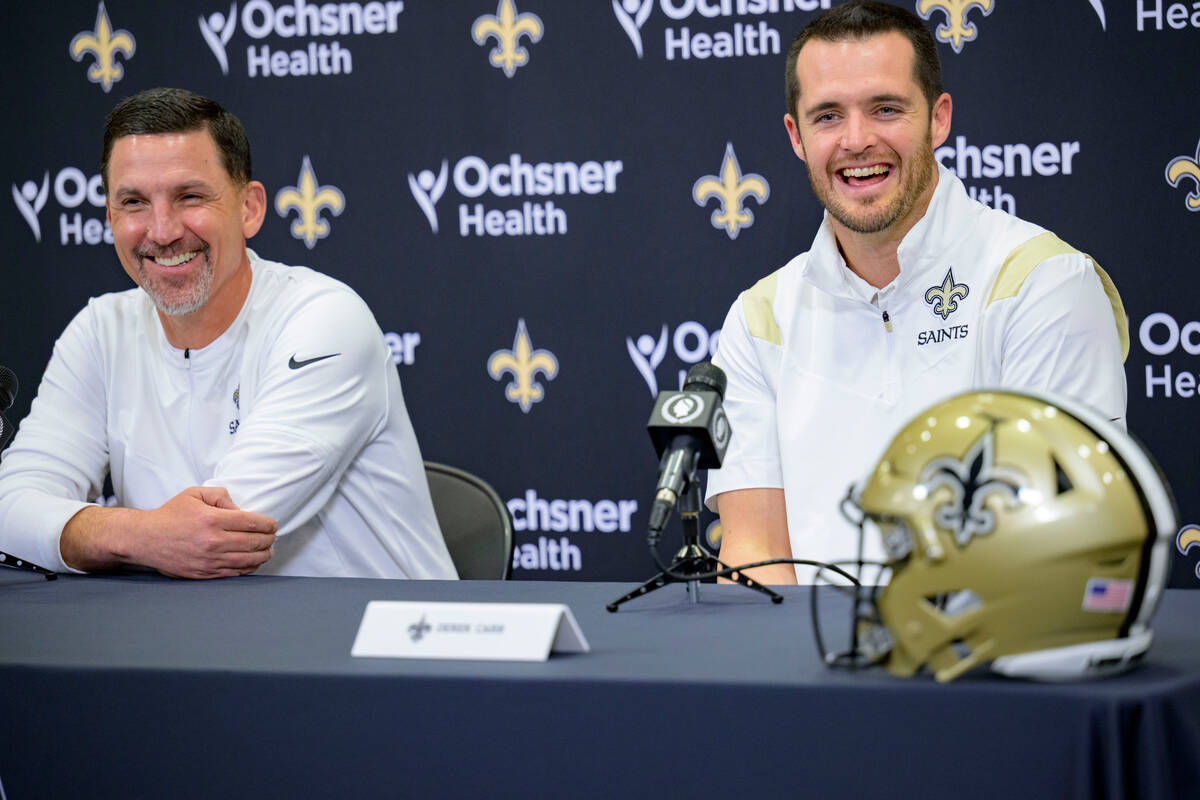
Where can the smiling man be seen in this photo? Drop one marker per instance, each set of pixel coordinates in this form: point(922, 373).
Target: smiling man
point(248, 413)
point(910, 292)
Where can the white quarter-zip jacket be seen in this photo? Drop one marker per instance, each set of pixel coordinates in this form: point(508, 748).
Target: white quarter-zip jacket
point(822, 372)
point(295, 409)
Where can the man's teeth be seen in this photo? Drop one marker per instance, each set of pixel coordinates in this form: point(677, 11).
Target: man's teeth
point(174, 261)
point(865, 172)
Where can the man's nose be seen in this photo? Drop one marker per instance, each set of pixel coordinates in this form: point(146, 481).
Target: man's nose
point(858, 133)
point(165, 224)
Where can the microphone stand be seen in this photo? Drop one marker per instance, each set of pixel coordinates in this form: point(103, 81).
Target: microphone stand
point(691, 559)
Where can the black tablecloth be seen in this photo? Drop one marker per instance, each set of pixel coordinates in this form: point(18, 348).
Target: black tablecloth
point(142, 686)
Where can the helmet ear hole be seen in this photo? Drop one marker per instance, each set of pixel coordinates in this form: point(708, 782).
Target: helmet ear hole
point(1064, 484)
point(954, 603)
point(961, 648)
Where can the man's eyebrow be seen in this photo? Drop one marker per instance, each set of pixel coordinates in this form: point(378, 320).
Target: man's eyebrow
point(821, 108)
point(186, 186)
point(830, 105)
point(894, 99)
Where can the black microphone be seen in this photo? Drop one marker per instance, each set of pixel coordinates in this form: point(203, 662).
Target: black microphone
point(8, 393)
point(690, 431)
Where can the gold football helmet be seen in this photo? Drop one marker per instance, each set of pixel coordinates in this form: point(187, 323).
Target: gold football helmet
point(1021, 531)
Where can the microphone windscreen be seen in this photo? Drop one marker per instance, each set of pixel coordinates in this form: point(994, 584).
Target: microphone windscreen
point(706, 377)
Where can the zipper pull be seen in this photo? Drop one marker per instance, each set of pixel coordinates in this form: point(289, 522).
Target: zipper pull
point(187, 355)
point(887, 322)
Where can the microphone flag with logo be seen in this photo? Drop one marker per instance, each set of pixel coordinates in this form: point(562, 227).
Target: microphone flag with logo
point(690, 431)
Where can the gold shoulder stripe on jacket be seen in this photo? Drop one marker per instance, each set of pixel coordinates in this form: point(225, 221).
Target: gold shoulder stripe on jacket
point(1025, 257)
point(758, 304)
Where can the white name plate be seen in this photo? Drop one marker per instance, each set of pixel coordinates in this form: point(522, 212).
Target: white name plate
point(472, 631)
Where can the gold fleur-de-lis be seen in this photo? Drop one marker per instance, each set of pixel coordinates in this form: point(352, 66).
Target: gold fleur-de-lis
point(730, 189)
point(957, 30)
point(507, 26)
point(1186, 167)
point(944, 298)
point(104, 43)
point(524, 363)
point(309, 200)
point(1188, 538)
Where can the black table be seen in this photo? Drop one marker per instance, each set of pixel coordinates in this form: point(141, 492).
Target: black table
point(142, 686)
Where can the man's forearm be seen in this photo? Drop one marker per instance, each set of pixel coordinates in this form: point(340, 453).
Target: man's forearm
point(198, 533)
point(754, 528)
point(735, 553)
point(94, 539)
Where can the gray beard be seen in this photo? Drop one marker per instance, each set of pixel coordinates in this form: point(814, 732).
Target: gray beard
point(176, 298)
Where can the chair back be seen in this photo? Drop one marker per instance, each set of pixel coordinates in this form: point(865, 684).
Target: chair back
point(474, 521)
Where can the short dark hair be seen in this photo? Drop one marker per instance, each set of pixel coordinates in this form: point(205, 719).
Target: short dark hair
point(859, 19)
point(179, 111)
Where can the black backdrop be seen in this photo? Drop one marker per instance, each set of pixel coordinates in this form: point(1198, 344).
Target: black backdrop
point(628, 268)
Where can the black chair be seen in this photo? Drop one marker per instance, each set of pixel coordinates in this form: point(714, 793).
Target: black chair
point(474, 521)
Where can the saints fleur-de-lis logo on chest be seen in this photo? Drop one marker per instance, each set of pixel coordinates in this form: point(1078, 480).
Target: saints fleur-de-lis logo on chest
point(944, 298)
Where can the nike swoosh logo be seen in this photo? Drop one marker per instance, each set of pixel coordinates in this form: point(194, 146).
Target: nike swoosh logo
point(294, 364)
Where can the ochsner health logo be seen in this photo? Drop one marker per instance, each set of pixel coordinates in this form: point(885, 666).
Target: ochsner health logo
point(713, 28)
point(72, 188)
point(301, 20)
point(30, 201)
point(508, 181)
point(691, 343)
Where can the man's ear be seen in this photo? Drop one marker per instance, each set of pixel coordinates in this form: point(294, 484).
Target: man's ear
point(793, 129)
point(939, 119)
point(254, 207)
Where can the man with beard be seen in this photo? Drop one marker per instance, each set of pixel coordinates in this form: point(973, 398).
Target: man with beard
point(248, 413)
point(910, 292)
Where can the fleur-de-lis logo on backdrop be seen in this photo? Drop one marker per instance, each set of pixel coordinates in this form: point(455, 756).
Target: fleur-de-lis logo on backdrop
point(523, 363)
point(730, 189)
point(507, 27)
point(972, 481)
point(104, 43)
point(309, 200)
point(956, 30)
point(1186, 167)
point(944, 298)
point(1188, 538)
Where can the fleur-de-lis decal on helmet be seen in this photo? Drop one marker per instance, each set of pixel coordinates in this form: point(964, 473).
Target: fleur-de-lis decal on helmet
point(309, 200)
point(944, 298)
point(507, 27)
point(1187, 167)
point(972, 481)
point(956, 30)
point(730, 189)
point(104, 43)
point(1188, 538)
point(523, 363)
